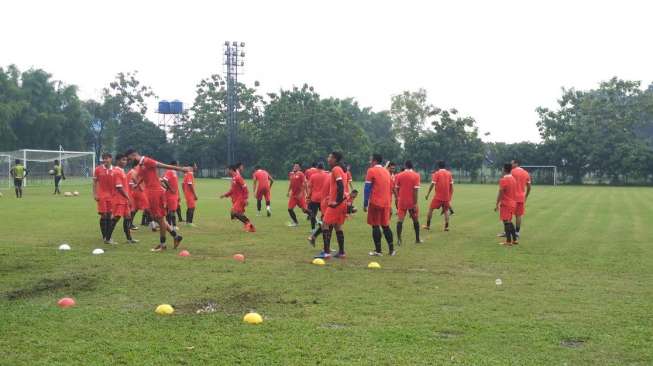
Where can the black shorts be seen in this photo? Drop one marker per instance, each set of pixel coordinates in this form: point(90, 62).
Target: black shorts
point(314, 207)
point(57, 179)
point(18, 182)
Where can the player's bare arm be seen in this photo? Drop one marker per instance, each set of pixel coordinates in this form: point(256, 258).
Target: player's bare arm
point(184, 169)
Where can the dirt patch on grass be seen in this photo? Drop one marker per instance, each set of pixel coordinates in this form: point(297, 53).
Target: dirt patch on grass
point(72, 284)
point(448, 334)
point(573, 342)
point(234, 303)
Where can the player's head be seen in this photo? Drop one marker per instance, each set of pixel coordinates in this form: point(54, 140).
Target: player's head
point(391, 166)
point(515, 163)
point(296, 166)
point(441, 164)
point(17, 161)
point(107, 159)
point(174, 163)
point(233, 169)
point(334, 158)
point(314, 164)
point(121, 160)
point(56, 162)
point(346, 168)
point(376, 159)
point(133, 155)
point(320, 166)
point(507, 167)
point(354, 193)
point(408, 164)
point(240, 166)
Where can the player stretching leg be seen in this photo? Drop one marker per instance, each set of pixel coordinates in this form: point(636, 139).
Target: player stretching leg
point(336, 212)
point(296, 195)
point(377, 202)
point(188, 186)
point(407, 184)
point(102, 193)
point(314, 193)
point(171, 183)
point(239, 196)
point(148, 171)
point(442, 180)
point(121, 199)
point(262, 186)
point(506, 204)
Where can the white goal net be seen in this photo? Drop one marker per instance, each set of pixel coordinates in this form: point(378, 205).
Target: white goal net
point(542, 174)
point(78, 166)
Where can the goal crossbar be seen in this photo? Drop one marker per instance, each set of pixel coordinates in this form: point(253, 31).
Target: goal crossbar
point(554, 167)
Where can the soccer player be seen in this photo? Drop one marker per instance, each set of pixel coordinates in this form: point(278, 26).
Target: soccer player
point(523, 191)
point(58, 176)
point(296, 195)
point(121, 200)
point(18, 172)
point(407, 184)
point(349, 185)
point(506, 204)
point(139, 198)
point(310, 171)
point(336, 210)
point(171, 183)
point(324, 201)
point(262, 186)
point(103, 188)
point(188, 186)
point(377, 202)
point(442, 180)
point(148, 171)
point(239, 196)
point(351, 209)
point(315, 192)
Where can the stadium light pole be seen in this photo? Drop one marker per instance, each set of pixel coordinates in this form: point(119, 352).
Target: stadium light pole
point(232, 61)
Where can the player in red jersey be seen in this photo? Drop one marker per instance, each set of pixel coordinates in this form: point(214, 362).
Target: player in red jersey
point(263, 187)
point(121, 199)
point(309, 172)
point(506, 203)
point(239, 196)
point(442, 180)
point(296, 193)
point(336, 209)
point(102, 193)
point(377, 202)
point(323, 195)
point(314, 192)
point(523, 191)
point(138, 197)
point(350, 185)
point(188, 186)
point(171, 183)
point(407, 185)
point(148, 171)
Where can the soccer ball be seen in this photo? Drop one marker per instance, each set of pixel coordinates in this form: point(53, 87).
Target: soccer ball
point(51, 172)
point(75, 193)
point(67, 194)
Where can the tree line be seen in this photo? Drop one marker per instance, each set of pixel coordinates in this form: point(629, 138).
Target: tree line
point(602, 135)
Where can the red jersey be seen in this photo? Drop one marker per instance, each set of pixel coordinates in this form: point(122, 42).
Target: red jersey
point(406, 183)
point(337, 174)
point(318, 180)
point(189, 180)
point(523, 178)
point(262, 178)
point(326, 186)
point(297, 182)
point(508, 187)
point(443, 181)
point(120, 181)
point(170, 176)
point(309, 172)
point(381, 195)
point(104, 178)
point(238, 191)
point(148, 172)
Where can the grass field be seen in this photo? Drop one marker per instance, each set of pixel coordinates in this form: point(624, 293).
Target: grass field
point(577, 291)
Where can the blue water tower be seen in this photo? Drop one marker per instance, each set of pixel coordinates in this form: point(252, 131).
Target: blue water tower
point(176, 107)
point(164, 107)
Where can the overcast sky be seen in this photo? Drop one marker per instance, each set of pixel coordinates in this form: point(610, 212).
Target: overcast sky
point(494, 60)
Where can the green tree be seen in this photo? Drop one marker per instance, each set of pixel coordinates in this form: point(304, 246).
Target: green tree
point(410, 112)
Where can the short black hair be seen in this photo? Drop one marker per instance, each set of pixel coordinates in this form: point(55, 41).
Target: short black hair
point(130, 151)
point(257, 167)
point(392, 163)
point(233, 167)
point(239, 164)
point(408, 164)
point(320, 165)
point(516, 161)
point(174, 162)
point(296, 162)
point(507, 167)
point(355, 191)
point(56, 161)
point(313, 164)
point(377, 157)
point(106, 155)
point(337, 155)
point(442, 164)
point(120, 156)
point(17, 161)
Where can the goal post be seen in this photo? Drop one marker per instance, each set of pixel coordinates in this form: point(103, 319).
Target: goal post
point(78, 166)
point(5, 167)
point(544, 174)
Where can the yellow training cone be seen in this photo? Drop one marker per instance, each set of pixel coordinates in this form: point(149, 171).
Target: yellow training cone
point(253, 318)
point(374, 265)
point(319, 262)
point(164, 309)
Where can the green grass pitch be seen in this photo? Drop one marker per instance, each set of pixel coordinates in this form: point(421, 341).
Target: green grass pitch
point(577, 290)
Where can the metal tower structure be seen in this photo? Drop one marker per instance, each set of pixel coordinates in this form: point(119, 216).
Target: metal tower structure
point(234, 56)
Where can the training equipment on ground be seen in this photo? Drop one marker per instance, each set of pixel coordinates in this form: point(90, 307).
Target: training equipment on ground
point(64, 247)
point(75, 193)
point(164, 309)
point(239, 257)
point(318, 262)
point(78, 166)
point(97, 251)
point(66, 302)
point(374, 265)
point(184, 253)
point(67, 194)
point(498, 282)
point(253, 318)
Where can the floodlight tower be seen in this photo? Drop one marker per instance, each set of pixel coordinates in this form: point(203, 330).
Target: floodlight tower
point(234, 56)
